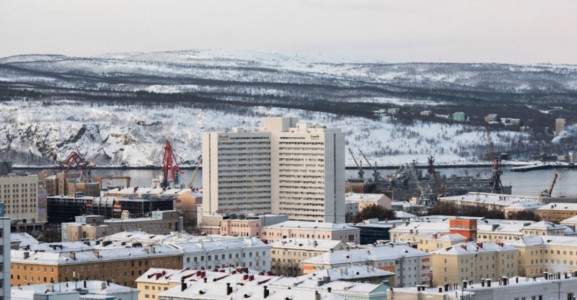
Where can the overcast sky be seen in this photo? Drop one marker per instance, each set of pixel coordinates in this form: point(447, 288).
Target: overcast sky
point(506, 31)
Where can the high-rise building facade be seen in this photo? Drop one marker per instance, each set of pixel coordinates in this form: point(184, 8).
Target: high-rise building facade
point(19, 193)
point(285, 167)
point(5, 257)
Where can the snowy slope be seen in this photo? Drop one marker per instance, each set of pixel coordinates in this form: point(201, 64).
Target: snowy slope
point(110, 135)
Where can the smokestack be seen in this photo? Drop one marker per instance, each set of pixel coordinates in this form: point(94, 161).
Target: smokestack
point(440, 289)
point(483, 282)
point(505, 280)
point(464, 284)
point(517, 279)
point(229, 289)
point(84, 283)
point(446, 287)
point(488, 282)
point(182, 285)
point(266, 292)
point(546, 275)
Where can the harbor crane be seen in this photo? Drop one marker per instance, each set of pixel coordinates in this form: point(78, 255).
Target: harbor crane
point(549, 192)
point(360, 167)
point(198, 164)
point(75, 161)
point(169, 164)
point(432, 171)
point(376, 174)
point(496, 184)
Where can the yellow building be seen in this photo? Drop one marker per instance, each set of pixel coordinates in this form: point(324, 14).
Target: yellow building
point(539, 254)
point(69, 261)
point(432, 242)
point(473, 262)
point(287, 255)
point(557, 212)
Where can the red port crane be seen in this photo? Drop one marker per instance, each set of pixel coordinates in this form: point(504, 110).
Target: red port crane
point(169, 164)
point(496, 184)
point(75, 160)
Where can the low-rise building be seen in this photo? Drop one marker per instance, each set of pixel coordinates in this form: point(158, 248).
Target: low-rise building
point(513, 288)
point(310, 230)
point(557, 212)
point(356, 202)
point(489, 200)
point(428, 242)
point(60, 262)
point(74, 290)
point(473, 262)
point(206, 251)
point(287, 254)
point(539, 254)
point(92, 227)
point(411, 266)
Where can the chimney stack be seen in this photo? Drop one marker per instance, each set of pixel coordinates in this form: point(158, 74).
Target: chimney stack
point(229, 289)
point(266, 292)
point(182, 284)
point(488, 282)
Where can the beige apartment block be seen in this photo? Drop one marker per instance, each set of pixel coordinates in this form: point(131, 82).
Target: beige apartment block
point(552, 254)
point(287, 254)
point(19, 193)
point(472, 262)
point(432, 242)
point(285, 167)
point(356, 202)
point(310, 230)
point(93, 227)
point(557, 212)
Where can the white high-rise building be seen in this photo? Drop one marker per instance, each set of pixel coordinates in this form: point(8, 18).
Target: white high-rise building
point(285, 167)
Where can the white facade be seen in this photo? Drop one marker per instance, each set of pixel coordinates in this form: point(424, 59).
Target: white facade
point(5, 257)
point(19, 193)
point(285, 168)
point(74, 290)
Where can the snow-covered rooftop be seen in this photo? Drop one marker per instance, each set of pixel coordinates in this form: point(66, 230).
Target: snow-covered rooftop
point(474, 248)
point(311, 226)
point(558, 206)
point(359, 197)
point(489, 198)
point(381, 253)
point(94, 287)
point(307, 244)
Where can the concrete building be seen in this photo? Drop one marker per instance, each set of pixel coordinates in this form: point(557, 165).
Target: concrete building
point(287, 254)
point(472, 262)
point(240, 226)
point(60, 262)
point(539, 254)
point(206, 251)
point(356, 202)
point(489, 200)
point(230, 283)
point(310, 230)
point(557, 212)
point(74, 290)
point(428, 242)
point(559, 125)
point(92, 227)
point(515, 288)
point(411, 266)
point(5, 244)
point(19, 193)
point(285, 167)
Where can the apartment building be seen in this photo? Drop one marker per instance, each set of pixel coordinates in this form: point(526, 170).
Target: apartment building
point(287, 254)
point(552, 254)
point(93, 227)
point(516, 288)
point(230, 283)
point(74, 290)
point(285, 167)
point(59, 262)
point(411, 266)
point(356, 202)
point(206, 251)
point(19, 193)
point(432, 242)
point(473, 261)
point(310, 230)
point(557, 212)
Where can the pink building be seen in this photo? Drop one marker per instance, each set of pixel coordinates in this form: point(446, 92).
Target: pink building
point(310, 230)
point(248, 227)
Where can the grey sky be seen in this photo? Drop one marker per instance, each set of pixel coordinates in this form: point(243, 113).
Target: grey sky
point(510, 31)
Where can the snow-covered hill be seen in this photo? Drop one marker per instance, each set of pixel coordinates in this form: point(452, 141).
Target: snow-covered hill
point(110, 135)
point(119, 108)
